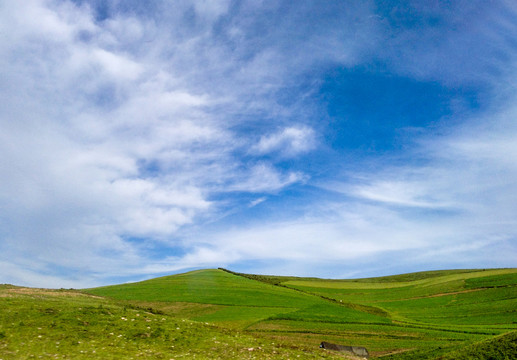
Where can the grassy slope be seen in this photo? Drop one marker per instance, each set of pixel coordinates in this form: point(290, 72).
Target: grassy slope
point(51, 324)
point(411, 316)
point(430, 313)
point(458, 306)
point(474, 298)
point(227, 299)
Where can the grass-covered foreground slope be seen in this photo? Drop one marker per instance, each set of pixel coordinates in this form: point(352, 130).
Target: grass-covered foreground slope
point(54, 324)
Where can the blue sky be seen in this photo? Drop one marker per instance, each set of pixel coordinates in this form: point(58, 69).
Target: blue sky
point(324, 138)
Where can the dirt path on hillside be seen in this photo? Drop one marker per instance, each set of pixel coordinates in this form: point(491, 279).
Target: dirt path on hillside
point(450, 293)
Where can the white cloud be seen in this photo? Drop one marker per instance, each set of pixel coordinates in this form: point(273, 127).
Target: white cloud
point(127, 30)
point(288, 142)
point(257, 201)
point(356, 235)
point(121, 68)
point(396, 192)
point(264, 178)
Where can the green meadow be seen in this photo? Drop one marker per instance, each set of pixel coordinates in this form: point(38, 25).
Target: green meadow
point(219, 314)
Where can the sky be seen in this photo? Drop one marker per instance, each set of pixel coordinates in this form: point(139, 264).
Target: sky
point(337, 139)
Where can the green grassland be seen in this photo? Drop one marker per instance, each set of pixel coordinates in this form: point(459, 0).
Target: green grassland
point(54, 324)
point(219, 314)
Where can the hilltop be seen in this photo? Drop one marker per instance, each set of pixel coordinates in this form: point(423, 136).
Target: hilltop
point(217, 313)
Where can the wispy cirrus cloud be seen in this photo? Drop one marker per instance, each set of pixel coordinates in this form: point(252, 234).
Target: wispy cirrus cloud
point(288, 142)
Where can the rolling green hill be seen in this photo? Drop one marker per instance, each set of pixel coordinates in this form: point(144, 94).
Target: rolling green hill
point(426, 315)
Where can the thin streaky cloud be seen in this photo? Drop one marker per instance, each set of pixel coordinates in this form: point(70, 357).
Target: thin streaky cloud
point(288, 142)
